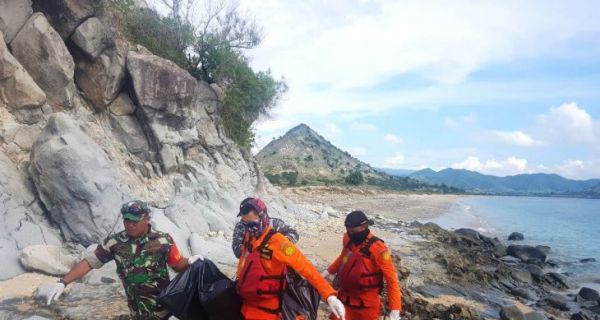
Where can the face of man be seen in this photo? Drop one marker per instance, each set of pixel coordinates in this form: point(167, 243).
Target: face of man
point(136, 229)
point(356, 230)
point(250, 217)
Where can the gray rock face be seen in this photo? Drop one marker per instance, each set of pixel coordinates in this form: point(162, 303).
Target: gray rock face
point(17, 88)
point(101, 79)
point(66, 15)
point(47, 259)
point(21, 219)
point(122, 106)
point(44, 55)
point(13, 14)
point(130, 132)
point(173, 105)
point(91, 37)
point(76, 181)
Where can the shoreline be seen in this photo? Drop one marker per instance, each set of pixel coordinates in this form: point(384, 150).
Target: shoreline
point(445, 274)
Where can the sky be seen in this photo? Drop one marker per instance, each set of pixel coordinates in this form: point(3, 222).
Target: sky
point(500, 87)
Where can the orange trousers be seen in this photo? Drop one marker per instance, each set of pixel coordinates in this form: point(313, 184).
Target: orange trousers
point(371, 313)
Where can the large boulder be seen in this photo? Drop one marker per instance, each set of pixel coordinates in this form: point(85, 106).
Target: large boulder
point(66, 15)
point(13, 14)
point(50, 260)
point(44, 55)
point(76, 181)
point(173, 105)
point(526, 253)
point(102, 79)
point(18, 90)
point(91, 37)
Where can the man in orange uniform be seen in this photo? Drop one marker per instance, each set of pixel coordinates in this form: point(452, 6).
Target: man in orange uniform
point(266, 255)
point(362, 266)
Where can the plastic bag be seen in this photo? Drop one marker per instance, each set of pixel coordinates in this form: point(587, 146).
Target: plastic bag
point(218, 295)
point(300, 298)
point(181, 297)
point(202, 292)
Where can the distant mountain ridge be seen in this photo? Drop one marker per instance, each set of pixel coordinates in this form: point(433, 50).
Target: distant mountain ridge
point(303, 157)
point(534, 184)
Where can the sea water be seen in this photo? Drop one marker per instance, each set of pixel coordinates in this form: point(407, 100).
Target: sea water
point(571, 227)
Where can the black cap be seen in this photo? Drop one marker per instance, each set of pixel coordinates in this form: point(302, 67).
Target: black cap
point(357, 218)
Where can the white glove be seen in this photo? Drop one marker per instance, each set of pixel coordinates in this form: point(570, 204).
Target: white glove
point(328, 276)
point(336, 307)
point(195, 258)
point(50, 291)
point(395, 315)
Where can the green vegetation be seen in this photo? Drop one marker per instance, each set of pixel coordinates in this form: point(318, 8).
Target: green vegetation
point(211, 49)
point(355, 178)
point(287, 178)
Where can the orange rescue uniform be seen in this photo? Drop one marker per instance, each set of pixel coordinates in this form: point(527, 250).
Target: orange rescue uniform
point(275, 256)
point(362, 297)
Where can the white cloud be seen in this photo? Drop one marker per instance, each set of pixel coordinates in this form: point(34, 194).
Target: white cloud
point(567, 123)
point(393, 139)
point(360, 126)
point(336, 47)
point(575, 169)
point(396, 161)
point(331, 129)
point(513, 138)
point(509, 166)
point(460, 122)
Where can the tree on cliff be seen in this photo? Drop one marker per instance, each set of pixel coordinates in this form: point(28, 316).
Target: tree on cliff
point(212, 48)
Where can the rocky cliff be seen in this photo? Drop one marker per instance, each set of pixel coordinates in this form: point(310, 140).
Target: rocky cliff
point(89, 120)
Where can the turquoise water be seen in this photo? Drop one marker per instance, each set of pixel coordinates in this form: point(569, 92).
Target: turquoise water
point(571, 227)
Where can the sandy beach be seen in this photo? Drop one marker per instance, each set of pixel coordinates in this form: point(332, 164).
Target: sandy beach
point(391, 204)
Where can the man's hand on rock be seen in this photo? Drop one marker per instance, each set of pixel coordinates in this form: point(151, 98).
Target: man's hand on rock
point(50, 291)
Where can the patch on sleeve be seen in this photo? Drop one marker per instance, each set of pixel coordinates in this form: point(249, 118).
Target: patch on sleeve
point(386, 256)
point(288, 249)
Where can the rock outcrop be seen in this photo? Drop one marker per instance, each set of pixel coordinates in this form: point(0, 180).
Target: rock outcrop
point(18, 91)
point(76, 181)
point(13, 15)
point(22, 220)
point(44, 55)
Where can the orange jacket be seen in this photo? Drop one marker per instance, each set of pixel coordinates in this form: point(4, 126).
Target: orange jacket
point(284, 254)
point(380, 260)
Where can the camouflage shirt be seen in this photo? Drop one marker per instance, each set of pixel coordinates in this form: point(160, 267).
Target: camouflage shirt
point(142, 267)
point(278, 225)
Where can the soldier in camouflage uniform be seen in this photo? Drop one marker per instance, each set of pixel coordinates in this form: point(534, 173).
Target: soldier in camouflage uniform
point(142, 256)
